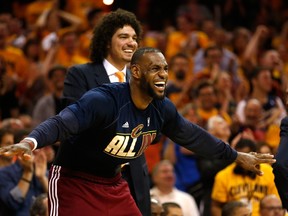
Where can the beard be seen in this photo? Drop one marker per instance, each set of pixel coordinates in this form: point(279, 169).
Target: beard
point(146, 87)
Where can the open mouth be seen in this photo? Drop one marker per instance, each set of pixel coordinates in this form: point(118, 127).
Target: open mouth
point(160, 85)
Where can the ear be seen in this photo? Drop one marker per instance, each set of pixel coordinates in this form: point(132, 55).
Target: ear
point(135, 71)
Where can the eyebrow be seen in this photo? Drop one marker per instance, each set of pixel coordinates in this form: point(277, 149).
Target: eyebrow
point(127, 34)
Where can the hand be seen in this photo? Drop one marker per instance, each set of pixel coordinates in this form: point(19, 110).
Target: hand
point(27, 165)
point(22, 150)
point(40, 162)
point(252, 160)
point(262, 30)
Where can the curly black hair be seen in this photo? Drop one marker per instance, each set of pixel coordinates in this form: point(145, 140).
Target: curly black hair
point(106, 28)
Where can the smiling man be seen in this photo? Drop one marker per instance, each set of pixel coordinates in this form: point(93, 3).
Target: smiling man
point(115, 39)
point(118, 122)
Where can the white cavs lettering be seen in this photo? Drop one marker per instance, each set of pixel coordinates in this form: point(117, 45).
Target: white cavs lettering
point(121, 142)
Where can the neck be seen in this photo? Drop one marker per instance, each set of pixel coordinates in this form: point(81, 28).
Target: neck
point(117, 64)
point(165, 190)
point(140, 100)
point(259, 94)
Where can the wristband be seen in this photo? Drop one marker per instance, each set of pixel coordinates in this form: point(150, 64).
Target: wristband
point(32, 143)
point(26, 180)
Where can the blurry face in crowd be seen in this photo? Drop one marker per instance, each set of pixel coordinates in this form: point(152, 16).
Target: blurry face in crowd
point(253, 112)
point(33, 51)
point(180, 68)
point(271, 59)
point(224, 81)
point(265, 149)
point(69, 42)
point(241, 39)
point(207, 98)
point(263, 81)
point(165, 176)
point(214, 56)
point(7, 139)
point(221, 130)
point(123, 45)
point(185, 24)
point(209, 27)
point(271, 206)
point(57, 79)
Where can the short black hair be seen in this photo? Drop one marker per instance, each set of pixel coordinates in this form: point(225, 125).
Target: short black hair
point(55, 68)
point(28, 43)
point(203, 84)
point(242, 143)
point(141, 51)
point(179, 55)
point(257, 70)
point(211, 47)
point(3, 132)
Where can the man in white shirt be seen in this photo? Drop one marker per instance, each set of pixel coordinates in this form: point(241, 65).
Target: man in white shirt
point(163, 177)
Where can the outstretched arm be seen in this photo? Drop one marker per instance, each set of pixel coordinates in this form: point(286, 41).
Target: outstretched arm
point(200, 141)
point(48, 132)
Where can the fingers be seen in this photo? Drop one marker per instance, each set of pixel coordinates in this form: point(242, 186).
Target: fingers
point(26, 156)
point(256, 170)
point(268, 157)
point(3, 151)
point(268, 161)
point(264, 156)
point(14, 150)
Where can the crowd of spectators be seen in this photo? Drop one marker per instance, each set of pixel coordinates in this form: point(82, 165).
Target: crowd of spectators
point(228, 68)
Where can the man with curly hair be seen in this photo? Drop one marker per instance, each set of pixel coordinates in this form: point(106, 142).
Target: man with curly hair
point(115, 38)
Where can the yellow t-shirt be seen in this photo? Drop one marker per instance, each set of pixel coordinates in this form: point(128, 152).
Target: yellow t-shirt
point(205, 115)
point(229, 186)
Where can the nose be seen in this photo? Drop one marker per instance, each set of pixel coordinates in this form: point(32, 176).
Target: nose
point(132, 41)
point(163, 73)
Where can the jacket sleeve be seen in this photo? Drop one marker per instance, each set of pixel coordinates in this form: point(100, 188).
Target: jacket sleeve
point(280, 168)
point(75, 85)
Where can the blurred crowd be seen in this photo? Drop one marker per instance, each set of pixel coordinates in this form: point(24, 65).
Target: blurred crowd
point(228, 68)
